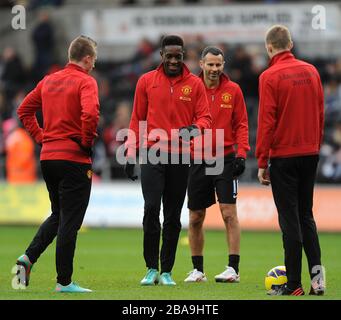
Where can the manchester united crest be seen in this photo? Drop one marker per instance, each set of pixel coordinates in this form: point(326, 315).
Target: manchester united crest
point(226, 99)
point(186, 91)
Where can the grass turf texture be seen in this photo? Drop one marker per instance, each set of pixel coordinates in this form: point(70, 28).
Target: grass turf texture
point(110, 262)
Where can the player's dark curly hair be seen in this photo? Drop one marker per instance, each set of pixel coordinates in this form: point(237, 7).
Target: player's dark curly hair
point(171, 40)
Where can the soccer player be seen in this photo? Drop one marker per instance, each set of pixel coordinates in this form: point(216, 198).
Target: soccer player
point(69, 103)
point(168, 98)
point(289, 135)
point(229, 113)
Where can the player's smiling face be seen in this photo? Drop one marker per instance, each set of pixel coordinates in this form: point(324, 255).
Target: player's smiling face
point(172, 60)
point(212, 66)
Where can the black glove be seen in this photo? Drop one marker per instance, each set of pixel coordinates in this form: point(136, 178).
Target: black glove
point(129, 171)
point(238, 167)
point(193, 132)
point(88, 150)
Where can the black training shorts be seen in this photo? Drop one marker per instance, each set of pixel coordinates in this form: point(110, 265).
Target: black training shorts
point(202, 188)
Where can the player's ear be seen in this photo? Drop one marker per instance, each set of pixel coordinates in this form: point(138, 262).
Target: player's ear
point(89, 59)
point(291, 45)
point(269, 48)
point(85, 59)
point(201, 63)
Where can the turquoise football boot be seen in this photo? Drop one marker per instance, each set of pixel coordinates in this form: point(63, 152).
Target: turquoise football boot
point(71, 288)
point(151, 278)
point(24, 268)
point(166, 279)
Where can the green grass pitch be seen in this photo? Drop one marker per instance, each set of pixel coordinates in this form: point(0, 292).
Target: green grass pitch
point(110, 262)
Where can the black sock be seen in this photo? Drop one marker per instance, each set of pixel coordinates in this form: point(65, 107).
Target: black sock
point(234, 262)
point(198, 263)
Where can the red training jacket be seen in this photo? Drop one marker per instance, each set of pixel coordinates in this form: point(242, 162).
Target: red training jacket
point(291, 109)
point(228, 110)
point(70, 106)
point(167, 103)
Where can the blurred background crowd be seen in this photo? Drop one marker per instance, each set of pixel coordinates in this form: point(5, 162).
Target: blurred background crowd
point(116, 81)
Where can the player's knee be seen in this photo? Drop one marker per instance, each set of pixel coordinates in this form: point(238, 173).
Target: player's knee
point(292, 239)
point(151, 219)
point(196, 218)
point(229, 213)
point(172, 228)
point(152, 209)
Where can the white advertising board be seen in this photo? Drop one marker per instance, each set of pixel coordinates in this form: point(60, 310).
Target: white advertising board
point(232, 23)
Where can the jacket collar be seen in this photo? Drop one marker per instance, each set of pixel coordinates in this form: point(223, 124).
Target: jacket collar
point(74, 66)
point(282, 56)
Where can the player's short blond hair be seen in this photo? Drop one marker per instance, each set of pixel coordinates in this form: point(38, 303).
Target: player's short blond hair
point(279, 37)
point(81, 47)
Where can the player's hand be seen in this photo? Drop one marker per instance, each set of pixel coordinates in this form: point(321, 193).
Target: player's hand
point(88, 150)
point(238, 167)
point(129, 171)
point(263, 176)
point(189, 132)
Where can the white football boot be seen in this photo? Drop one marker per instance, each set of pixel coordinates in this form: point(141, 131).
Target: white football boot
point(196, 276)
point(229, 275)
